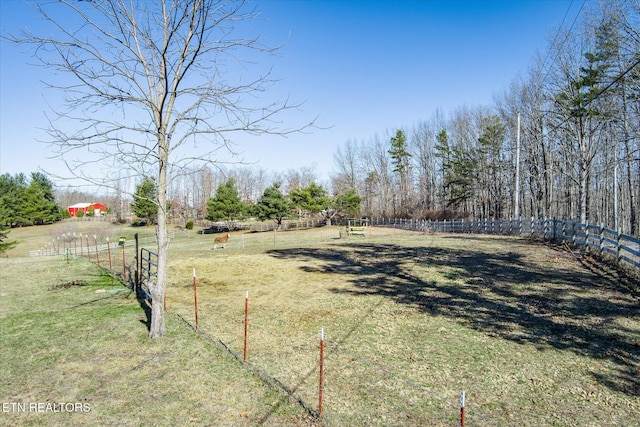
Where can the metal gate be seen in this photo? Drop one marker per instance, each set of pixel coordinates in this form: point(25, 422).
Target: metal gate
point(148, 272)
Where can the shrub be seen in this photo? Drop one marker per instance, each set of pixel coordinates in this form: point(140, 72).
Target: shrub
point(189, 225)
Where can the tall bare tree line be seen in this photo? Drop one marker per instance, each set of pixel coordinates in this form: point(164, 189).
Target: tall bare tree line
point(579, 108)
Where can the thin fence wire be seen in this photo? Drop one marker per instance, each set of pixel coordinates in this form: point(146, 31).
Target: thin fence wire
point(289, 361)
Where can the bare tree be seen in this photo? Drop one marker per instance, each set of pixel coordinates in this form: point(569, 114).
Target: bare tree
point(348, 161)
point(423, 143)
point(379, 194)
point(149, 83)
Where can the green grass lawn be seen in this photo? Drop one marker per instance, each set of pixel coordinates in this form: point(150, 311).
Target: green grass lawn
point(72, 335)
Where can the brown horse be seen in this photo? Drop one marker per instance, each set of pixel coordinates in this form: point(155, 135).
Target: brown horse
point(221, 241)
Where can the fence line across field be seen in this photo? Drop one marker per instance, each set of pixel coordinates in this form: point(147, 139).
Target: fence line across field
point(298, 382)
point(606, 241)
point(623, 248)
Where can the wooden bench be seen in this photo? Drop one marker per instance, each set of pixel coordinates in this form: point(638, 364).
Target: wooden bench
point(357, 231)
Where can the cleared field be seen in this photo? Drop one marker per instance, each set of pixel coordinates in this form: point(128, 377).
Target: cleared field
point(534, 334)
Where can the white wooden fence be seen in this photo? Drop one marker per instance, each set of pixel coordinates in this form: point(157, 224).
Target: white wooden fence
point(625, 249)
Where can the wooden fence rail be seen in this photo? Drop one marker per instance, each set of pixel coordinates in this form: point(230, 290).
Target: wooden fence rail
point(605, 241)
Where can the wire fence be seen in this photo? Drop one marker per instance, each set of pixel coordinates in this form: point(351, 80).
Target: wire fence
point(623, 249)
point(326, 374)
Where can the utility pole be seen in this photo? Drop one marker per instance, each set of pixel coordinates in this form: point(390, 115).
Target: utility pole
point(517, 201)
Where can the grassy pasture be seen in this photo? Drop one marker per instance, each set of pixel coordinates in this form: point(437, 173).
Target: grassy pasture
point(533, 335)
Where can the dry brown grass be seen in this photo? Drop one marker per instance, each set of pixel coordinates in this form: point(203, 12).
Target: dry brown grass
point(532, 335)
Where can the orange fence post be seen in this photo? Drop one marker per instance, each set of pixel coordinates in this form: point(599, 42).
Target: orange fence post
point(124, 266)
point(95, 241)
point(246, 324)
point(321, 378)
point(109, 251)
point(195, 298)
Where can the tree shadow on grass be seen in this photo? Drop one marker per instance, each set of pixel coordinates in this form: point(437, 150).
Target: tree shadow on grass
point(500, 294)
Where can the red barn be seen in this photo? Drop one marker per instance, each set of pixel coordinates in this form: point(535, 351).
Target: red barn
point(98, 208)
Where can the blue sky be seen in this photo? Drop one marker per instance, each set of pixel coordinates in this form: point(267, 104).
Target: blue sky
point(363, 67)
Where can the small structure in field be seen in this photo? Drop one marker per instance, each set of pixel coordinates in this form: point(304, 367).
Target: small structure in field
point(357, 226)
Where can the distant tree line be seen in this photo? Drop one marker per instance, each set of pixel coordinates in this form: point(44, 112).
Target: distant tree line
point(229, 205)
point(578, 111)
point(25, 202)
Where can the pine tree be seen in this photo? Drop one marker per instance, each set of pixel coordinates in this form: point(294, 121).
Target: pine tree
point(12, 200)
point(39, 205)
point(4, 231)
point(226, 205)
point(315, 200)
point(400, 159)
point(144, 205)
point(458, 170)
point(348, 203)
point(273, 205)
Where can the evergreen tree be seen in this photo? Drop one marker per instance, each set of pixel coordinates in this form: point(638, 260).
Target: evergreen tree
point(581, 119)
point(226, 205)
point(39, 203)
point(490, 167)
point(458, 169)
point(12, 200)
point(348, 203)
point(461, 177)
point(144, 205)
point(4, 228)
point(23, 204)
point(273, 205)
point(5, 245)
point(315, 200)
point(443, 151)
point(400, 157)
point(399, 153)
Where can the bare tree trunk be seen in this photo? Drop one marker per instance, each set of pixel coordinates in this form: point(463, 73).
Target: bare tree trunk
point(157, 328)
